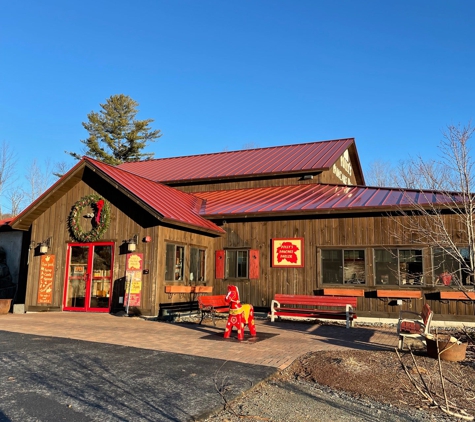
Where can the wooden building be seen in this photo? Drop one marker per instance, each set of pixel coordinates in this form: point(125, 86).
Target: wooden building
point(294, 219)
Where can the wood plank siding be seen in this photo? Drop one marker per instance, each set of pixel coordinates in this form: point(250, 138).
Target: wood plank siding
point(319, 233)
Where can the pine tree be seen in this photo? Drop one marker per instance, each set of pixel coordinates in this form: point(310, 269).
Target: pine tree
point(115, 136)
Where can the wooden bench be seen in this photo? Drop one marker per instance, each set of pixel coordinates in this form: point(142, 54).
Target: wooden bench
point(212, 305)
point(310, 307)
point(170, 311)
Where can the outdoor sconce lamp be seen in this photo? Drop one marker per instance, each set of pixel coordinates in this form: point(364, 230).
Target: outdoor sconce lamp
point(45, 245)
point(132, 243)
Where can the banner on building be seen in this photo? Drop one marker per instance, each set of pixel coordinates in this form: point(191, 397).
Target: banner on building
point(133, 279)
point(45, 284)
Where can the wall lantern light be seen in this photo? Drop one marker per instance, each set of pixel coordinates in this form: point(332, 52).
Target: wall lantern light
point(45, 245)
point(147, 239)
point(132, 243)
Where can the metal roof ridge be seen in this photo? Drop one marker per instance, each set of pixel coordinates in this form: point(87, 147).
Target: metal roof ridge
point(240, 150)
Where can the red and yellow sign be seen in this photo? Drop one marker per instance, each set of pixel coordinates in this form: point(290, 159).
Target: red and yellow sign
point(133, 279)
point(45, 285)
point(287, 252)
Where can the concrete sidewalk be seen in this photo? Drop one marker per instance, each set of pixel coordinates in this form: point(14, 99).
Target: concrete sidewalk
point(277, 344)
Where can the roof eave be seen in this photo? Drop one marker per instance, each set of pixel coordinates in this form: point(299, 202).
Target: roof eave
point(219, 232)
point(273, 214)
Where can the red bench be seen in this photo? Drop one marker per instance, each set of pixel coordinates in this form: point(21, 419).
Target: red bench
point(212, 305)
point(305, 306)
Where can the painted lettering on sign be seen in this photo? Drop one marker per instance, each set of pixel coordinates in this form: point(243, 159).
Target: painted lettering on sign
point(45, 284)
point(133, 279)
point(287, 252)
point(343, 169)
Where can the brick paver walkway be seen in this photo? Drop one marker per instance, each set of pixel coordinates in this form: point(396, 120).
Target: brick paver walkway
point(277, 345)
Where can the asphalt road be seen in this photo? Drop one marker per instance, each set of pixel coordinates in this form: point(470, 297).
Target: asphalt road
point(45, 379)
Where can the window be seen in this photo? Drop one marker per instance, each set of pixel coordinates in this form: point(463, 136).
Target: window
point(445, 262)
point(343, 266)
point(174, 262)
point(197, 264)
point(237, 264)
point(398, 266)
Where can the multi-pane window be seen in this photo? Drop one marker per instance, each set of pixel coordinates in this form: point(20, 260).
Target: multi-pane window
point(197, 264)
point(343, 266)
point(398, 266)
point(456, 264)
point(237, 263)
point(174, 262)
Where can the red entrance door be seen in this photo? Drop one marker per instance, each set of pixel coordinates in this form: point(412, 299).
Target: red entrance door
point(89, 277)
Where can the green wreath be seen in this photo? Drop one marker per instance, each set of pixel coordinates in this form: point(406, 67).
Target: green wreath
point(100, 219)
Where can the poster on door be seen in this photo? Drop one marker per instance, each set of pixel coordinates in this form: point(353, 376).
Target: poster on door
point(133, 279)
point(45, 285)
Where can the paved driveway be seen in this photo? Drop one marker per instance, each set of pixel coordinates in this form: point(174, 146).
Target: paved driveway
point(80, 367)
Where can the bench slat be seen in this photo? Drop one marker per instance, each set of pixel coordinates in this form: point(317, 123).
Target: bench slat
point(316, 300)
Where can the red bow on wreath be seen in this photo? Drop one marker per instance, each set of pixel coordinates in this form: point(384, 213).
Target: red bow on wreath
point(99, 206)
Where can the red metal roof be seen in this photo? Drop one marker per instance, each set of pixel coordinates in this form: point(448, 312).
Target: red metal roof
point(312, 198)
point(172, 204)
point(315, 156)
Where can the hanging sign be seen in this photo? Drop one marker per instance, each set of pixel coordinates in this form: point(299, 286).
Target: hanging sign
point(287, 252)
point(45, 285)
point(133, 279)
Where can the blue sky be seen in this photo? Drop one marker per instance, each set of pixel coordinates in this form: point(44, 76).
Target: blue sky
point(218, 75)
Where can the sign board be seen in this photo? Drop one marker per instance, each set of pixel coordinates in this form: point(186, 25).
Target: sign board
point(45, 285)
point(287, 253)
point(133, 279)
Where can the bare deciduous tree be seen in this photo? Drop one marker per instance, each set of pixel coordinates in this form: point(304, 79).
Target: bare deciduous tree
point(381, 174)
point(15, 198)
point(441, 196)
point(39, 179)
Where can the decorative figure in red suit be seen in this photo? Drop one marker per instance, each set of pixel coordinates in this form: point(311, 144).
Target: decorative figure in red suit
point(239, 315)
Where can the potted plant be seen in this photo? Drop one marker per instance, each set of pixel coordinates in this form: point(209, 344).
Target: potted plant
point(447, 346)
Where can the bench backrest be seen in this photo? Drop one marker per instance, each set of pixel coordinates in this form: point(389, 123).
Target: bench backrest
point(216, 301)
point(426, 315)
point(308, 300)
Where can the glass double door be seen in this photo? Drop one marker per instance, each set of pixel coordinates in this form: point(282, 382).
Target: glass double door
point(89, 277)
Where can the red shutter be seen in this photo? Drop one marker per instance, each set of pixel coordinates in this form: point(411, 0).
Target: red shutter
point(254, 264)
point(219, 265)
